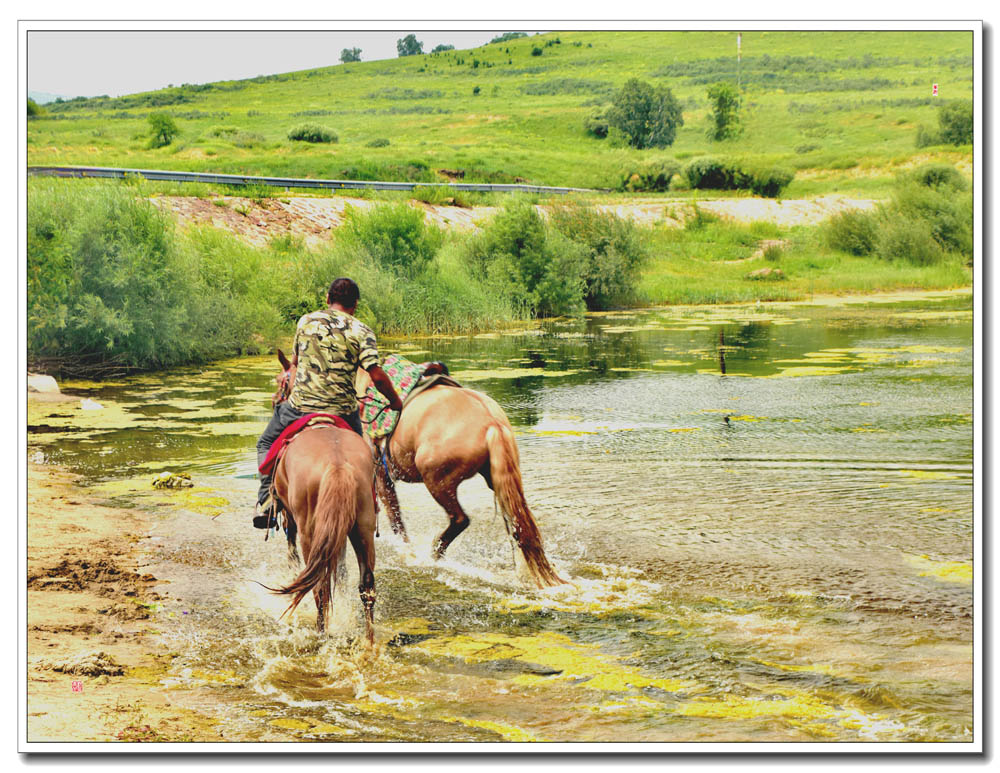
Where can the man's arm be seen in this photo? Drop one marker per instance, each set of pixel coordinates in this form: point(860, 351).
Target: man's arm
point(384, 385)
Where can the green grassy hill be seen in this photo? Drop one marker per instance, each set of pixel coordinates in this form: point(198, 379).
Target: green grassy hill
point(842, 108)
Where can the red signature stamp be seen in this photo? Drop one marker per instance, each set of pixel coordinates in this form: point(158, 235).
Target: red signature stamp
point(76, 685)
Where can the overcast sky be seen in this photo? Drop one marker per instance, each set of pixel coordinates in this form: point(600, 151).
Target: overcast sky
point(91, 63)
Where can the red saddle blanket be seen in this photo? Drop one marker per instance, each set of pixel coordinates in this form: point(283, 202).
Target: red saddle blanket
point(267, 466)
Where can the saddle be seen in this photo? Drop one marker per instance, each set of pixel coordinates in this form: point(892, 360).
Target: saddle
point(307, 421)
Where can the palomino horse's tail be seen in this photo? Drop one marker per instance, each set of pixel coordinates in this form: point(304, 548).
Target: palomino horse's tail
point(332, 518)
point(506, 476)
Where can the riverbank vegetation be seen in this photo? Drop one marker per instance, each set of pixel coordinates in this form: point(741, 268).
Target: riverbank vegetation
point(115, 284)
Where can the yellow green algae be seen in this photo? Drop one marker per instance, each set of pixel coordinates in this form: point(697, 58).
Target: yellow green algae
point(505, 373)
point(927, 475)
point(575, 663)
point(944, 571)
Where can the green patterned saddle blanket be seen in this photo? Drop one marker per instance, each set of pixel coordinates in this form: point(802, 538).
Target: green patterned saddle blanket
point(408, 379)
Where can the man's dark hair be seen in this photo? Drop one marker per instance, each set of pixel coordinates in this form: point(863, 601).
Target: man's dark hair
point(343, 291)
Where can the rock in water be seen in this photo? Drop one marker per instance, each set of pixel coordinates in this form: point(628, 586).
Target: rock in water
point(39, 382)
point(90, 405)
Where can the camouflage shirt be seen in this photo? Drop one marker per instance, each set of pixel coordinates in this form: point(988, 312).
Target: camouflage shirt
point(330, 346)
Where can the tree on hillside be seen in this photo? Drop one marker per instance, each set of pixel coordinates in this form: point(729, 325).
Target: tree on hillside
point(647, 117)
point(442, 47)
point(409, 46)
point(162, 130)
point(725, 101)
point(509, 36)
point(33, 108)
point(350, 55)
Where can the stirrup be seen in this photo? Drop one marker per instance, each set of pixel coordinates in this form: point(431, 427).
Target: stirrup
point(266, 517)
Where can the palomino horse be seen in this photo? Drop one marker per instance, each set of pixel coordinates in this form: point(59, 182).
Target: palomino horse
point(445, 435)
point(324, 480)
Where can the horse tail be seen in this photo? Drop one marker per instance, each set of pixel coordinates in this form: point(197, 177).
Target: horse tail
point(334, 514)
point(505, 474)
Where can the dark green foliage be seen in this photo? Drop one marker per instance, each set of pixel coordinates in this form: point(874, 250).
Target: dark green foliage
point(536, 51)
point(568, 86)
point(33, 108)
point(350, 55)
point(614, 250)
point(109, 280)
point(395, 235)
point(309, 132)
point(725, 101)
point(770, 181)
point(597, 125)
point(947, 214)
point(956, 122)
point(648, 117)
point(475, 91)
point(909, 240)
point(719, 174)
point(378, 142)
point(651, 175)
point(442, 47)
point(940, 176)
point(409, 46)
point(852, 231)
point(536, 266)
point(509, 36)
point(162, 130)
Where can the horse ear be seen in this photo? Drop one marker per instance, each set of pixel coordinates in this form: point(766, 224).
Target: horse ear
point(285, 364)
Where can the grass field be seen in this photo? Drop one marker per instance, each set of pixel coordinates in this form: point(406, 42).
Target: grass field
point(841, 108)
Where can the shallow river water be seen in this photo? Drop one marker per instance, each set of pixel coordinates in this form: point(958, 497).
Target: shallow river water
point(765, 512)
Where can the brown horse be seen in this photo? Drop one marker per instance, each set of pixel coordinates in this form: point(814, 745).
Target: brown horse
point(445, 435)
point(324, 480)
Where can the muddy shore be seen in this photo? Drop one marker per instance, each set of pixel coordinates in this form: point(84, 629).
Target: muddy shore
point(94, 666)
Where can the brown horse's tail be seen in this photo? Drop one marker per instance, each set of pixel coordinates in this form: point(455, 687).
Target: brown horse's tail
point(336, 509)
point(506, 476)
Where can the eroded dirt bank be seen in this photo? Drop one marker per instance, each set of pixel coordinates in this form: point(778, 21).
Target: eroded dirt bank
point(94, 667)
point(314, 219)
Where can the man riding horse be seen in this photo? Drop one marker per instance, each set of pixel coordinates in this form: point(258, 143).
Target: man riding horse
point(330, 345)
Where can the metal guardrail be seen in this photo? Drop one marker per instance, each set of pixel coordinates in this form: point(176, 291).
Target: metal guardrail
point(286, 182)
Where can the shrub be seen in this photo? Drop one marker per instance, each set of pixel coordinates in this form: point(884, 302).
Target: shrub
point(33, 108)
point(378, 142)
point(395, 235)
point(947, 216)
point(350, 55)
point(852, 231)
point(725, 101)
point(538, 267)
point(648, 116)
point(536, 51)
point(940, 176)
point(770, 181)
point(311, 133)
point(109, 280)
point(597, 125)
point(614, 253)
point(162, 130)
point(956, 122)
point(652, 175)
point(711, 173)
point(909, 240)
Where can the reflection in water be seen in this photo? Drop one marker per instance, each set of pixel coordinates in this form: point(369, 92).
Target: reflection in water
point(782, 552)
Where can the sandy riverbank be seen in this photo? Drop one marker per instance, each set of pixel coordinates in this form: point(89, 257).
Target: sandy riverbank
point(94, 666)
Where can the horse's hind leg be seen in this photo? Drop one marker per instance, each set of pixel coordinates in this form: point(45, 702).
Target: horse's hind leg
point(364, 547)
point(446, 495)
